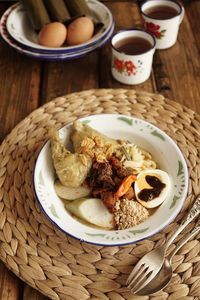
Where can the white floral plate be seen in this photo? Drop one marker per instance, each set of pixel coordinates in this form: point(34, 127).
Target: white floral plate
point(21, 30)
point(163, 149)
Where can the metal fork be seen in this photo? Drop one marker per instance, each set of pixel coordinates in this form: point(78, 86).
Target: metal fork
point(148, 266)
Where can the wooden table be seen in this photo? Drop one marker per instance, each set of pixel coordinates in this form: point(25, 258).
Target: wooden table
point(26, 84)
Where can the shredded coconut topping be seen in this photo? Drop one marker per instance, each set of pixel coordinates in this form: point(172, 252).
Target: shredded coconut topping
point(129, 213)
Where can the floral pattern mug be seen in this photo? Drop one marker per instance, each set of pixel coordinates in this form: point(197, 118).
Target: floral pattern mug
point(165, 30)
point(128, 68)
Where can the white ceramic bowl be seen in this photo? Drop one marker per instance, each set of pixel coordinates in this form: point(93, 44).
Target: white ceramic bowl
point(20, 28)
point(50, 56)
point(163, 149)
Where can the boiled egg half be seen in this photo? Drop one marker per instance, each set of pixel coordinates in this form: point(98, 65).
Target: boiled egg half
point(152, 187)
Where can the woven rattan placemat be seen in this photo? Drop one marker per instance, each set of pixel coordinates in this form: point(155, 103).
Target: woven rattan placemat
point(59, 266)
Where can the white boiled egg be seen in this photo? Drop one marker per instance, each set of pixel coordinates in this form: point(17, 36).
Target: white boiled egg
point(152, 187)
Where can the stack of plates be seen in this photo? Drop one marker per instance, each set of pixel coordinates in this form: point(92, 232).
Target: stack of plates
point(17, 31)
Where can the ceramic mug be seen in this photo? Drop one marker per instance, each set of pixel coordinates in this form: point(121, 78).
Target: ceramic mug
point(164, 25)
point(129, 66)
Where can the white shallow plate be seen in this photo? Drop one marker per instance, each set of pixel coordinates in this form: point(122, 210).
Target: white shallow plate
point(44, 56)
point(20, 28)
point(163, 149)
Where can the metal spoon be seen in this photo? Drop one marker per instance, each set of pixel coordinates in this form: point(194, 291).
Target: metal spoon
point(166, 272)
point(150, 264)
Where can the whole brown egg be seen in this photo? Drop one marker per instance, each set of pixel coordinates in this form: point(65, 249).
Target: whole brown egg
point(80, 31)
point(53, 35)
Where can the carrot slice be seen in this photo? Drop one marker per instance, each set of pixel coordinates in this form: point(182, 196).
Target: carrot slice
point(125, 185)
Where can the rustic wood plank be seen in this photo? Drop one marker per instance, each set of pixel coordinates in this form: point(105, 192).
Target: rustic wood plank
point(19, 81)
point(32, 294)
point(193, 13)
point(10, 286)
point(69, 76)
point(126, 15)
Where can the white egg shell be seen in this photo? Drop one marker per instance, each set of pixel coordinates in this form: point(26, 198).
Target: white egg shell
point(139, 185)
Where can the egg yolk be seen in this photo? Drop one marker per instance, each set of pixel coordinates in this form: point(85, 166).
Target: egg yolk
point(152, 187)
point(143, 184)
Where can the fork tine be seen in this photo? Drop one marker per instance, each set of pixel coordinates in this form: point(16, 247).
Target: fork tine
point(150, 274)
point(136, 285)
point(135, 274)
point(145, 282)
point(136, 268)
point(141, 282)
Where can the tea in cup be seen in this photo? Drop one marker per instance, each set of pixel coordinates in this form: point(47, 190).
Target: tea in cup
point(162, 18)
point(132, 55)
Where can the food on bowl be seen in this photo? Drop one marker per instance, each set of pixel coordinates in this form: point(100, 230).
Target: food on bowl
point(37, 13)
point(56, 34)
point(152, 187)
point(41, 13)
point(53, 35)
point(71, 193)
point(129, 213)
point(109, 183)
point(80, 31)
point(78, 8)
point(161, 153)
point(71, 168)
point(92, 143)
point(60, 22)
point(57, 10)
point(93, 211)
